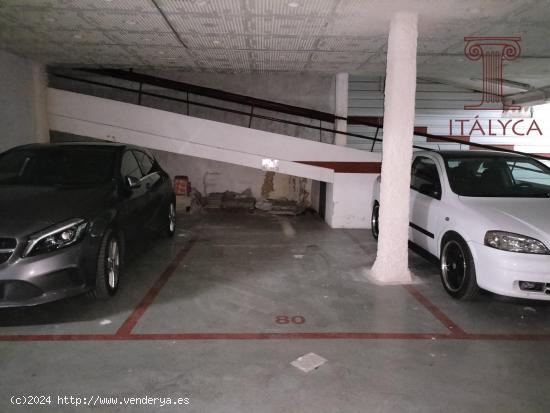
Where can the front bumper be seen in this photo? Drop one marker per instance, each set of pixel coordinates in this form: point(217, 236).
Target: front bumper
point(44, 278)
point(500, 271)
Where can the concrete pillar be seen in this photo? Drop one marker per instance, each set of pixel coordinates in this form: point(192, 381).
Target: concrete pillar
point(39, 103)
point(341, 107)
point(391, 265)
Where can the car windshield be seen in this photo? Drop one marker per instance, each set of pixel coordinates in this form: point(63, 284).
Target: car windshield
point(498, 177)
point(57, 166)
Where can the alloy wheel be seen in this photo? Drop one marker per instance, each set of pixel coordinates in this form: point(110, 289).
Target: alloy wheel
point(172, 217)
point(113, 264)
point(374, 221)
point(453, 265)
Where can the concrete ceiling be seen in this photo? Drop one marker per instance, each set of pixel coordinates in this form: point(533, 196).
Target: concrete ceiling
point(326, 36)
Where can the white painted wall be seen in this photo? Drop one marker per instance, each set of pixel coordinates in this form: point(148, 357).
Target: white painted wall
point(22, 102)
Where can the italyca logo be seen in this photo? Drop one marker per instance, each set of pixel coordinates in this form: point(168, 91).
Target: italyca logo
point(492, 52)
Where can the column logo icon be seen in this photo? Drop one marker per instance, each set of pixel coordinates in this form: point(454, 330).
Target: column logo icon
point(492, 52)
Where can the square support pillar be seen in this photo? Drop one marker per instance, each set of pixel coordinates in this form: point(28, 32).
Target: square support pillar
point(349, 200)
point(341, 107)
point(39, 103)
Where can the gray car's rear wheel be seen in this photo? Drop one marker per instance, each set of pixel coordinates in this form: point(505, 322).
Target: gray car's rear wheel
point(170, 227)
point(458, 273)
point(108, 266)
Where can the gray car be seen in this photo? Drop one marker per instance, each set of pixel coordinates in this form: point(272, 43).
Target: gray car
point(71, 213)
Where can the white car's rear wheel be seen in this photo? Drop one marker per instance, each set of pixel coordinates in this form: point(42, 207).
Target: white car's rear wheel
point(374, 220)
point(458, 273)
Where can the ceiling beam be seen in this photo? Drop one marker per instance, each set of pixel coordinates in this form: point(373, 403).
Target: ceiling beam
point(169, 24)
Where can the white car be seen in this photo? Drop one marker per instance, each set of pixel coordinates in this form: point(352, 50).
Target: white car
point(486, 215)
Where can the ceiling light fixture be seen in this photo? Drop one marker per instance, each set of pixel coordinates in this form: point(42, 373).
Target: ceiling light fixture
point(77, 36)
point(293, 4)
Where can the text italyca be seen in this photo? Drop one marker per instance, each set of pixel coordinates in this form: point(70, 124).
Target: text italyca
point(494, 127)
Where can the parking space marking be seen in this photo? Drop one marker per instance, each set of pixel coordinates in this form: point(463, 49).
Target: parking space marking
point(454, 329)
point(129, 324)
point(275, 336)
point(124, 333)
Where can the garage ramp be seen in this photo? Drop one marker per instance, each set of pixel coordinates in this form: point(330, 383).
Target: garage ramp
point(117, 121)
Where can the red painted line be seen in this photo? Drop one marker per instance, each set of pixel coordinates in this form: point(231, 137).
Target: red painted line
point(273, 336)
point(477, 148)
point(436, 312)
point(128, 325)
point(347, 167)
point(463, 138)
point(226, 336)
point(292, 336)
point(60, 337)
point(506, 337)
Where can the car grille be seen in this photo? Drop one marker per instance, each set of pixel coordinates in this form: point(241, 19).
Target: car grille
point(14, 290)
point(7, 246)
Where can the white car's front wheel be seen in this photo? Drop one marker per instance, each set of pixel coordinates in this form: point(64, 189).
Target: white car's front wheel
point(458, 273)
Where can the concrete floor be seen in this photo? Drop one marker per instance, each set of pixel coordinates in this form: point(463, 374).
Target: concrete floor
point(197, 316)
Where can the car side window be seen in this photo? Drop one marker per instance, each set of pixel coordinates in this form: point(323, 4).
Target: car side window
point(528, 173)
point(145, 162)
point(129, 166)
point(425, 178)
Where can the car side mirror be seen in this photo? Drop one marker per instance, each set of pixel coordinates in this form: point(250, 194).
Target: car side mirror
point(132, 182)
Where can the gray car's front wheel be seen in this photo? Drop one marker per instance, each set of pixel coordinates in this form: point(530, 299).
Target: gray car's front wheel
point(458, 273)
point(108, 266)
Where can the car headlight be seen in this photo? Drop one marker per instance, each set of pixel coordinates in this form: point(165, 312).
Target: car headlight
point(53, 238)
point(509, 241)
